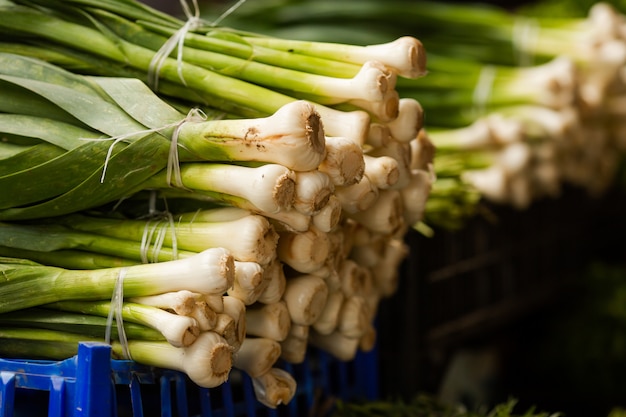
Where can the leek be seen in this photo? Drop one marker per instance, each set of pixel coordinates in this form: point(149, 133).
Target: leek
point(29, 284)
point(207, 361)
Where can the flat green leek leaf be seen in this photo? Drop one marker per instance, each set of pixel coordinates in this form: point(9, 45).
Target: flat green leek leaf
point(90, 108)
point(35, 69)
point(9, 150)
point(19, 100)
point(27, 157)
point(60, 134)
point(88, 103)
point(126, 171)
point(139, 101)
point(55, 176)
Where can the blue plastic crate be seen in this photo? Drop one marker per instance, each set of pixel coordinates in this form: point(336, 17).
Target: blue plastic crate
point(91, 384)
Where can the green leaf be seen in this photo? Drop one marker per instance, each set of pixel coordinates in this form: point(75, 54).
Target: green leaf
point(28, 157)
point(139, 101)
point(60, 134)
point(127, 170)
point(88, 107)
point(54, 177)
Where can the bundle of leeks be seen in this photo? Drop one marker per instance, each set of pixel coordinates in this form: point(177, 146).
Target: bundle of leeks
point(287, 179)
point(547, 85)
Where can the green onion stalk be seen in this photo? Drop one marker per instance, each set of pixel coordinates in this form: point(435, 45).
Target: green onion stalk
point(29, 284)
point(178, 330)
point(256, 238)
point(88, 325)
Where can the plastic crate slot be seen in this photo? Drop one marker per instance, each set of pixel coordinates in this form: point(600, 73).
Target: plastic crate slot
point(180, 384)
point(135, 396)
point(56, 402)
point(166, 397)
point(7, 394)
point(205, 402)
point(94, 366)
point(250, 401)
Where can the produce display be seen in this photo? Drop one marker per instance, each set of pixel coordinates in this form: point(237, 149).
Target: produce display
point(225, 191)
point(519, 102)
point(220, 204)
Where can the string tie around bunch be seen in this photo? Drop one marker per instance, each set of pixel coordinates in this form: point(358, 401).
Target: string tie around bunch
point(115, 312)
point(154, 221)
point(177, 40)
point(482, 90)
point(525, 32)
point(194, 115)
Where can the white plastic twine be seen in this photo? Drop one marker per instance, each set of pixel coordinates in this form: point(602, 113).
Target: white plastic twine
point(227, 12)
point(160, 225)
point(176, 40)
point(117, 303)
point(525, 31)
point(482, 90)
point(148, 232)
point(173, 163)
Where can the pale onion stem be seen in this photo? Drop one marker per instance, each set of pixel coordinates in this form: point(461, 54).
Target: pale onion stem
point(181, 302)
point(312, 191)
point(257, 355)
point(204, 316)
point(329, 216)
point(382, 171)
point(357, 197)
point(343, 162)
point(236, 309)
point(207, 361)
point(408, 121)
point(274, 387)
point(353, 317)
point(274, 275)
point(336, 344)
point(269, 320)
point(305, 296)
point(422, 151)
point(385, 215)
point(385, 273)
point(303, 251)
point(327, 321)
point(401, 152)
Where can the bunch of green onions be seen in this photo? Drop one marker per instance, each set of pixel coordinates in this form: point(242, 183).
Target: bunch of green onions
point(550, 86)
point(228, 206)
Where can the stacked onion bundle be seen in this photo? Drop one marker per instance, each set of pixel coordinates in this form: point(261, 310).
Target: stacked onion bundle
point(518, 103)
point(237, 215)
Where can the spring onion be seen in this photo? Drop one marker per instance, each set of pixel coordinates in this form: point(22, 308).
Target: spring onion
point(178, 330)
point(210, 271)
point(269, 320)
